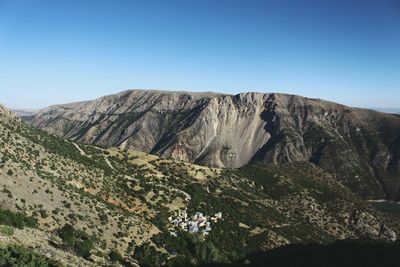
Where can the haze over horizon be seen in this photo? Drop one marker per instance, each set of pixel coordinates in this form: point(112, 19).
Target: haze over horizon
point(56, 52)
point(35, 109)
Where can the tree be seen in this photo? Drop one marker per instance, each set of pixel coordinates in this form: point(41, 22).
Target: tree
point(78, 241)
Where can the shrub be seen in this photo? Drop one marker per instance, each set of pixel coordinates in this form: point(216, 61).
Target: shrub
point(43, 214)
point(147, 255)
point(6, 230)
point(78, 241)
point(16, 219)
point(116, 257)
point(19, 256)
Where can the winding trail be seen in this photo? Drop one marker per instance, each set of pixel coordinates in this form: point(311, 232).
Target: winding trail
point(84, 154)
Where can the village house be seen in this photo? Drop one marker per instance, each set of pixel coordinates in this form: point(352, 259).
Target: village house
point(193, 227)
point(197, 223)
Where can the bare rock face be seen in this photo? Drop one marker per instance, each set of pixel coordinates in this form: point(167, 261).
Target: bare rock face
point(5, 112)
point(360, 147)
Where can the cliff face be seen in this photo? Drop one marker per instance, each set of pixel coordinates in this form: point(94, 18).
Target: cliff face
point(360, 147)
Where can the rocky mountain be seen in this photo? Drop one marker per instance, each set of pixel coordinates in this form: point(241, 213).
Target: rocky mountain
point(24, 112)
point(64, 203)
point(5, 112)
point(359, 147)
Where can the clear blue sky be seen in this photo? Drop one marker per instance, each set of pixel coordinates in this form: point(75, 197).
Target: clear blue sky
point(58, 51)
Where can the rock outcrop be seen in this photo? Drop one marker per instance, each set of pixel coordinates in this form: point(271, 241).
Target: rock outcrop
point(360, 147)
point(5, 112)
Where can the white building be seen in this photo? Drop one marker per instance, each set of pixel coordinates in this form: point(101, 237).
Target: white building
point(173, 234)
point(193, 228)
point(218, 215)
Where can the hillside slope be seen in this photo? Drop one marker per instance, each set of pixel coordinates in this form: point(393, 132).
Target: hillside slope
point(89, 206)
point(360, 147)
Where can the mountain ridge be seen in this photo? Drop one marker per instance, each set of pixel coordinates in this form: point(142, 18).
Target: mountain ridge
point(359, 146)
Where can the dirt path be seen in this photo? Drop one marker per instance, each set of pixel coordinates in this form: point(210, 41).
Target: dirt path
point(80, 149)
point(109, 163)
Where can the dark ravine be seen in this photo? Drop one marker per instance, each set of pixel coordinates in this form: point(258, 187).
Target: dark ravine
point(345, 253)
point(360, 147)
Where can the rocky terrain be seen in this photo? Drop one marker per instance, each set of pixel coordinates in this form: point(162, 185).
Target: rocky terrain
point(361, 148)
point(24, 112)
point(71, 204)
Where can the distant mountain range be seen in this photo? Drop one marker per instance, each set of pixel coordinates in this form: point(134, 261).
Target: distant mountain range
point(358, 146)
point(388, 110)
point(25, 112)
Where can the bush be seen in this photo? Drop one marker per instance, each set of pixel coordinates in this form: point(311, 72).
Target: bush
point(16, 219)
point(6, 230)
point(78, 241)
point(19, 256)
point(116, 257)
point(147, 255)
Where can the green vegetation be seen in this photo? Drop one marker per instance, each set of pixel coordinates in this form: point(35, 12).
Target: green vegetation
point(18, 256)
point(147, 255)
point(116, 257)
point(59, 146)
point(6, 230)
point(189, 248)
point(17, 220)
point(272, 183)
point(78, 241)
point(242, 200)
